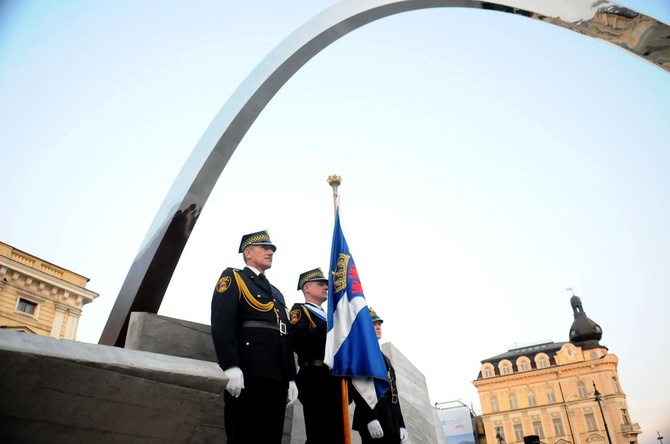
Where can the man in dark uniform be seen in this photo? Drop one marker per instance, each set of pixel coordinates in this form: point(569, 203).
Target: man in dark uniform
point(319, 392)
point(385, 423)
point(249, 330)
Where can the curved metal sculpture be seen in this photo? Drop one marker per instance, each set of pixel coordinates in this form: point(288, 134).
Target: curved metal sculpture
point(150, 273)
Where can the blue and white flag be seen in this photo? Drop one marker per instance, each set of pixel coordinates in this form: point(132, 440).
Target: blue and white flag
point(352, 349)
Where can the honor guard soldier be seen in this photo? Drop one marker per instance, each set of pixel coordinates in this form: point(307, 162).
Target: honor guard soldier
point(250, 334)
point(318, 391)
point(384, 424)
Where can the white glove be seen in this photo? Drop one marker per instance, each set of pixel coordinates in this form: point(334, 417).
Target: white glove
point(235, 381)
point(375, 429)
point(292, 395)
point(404, 436)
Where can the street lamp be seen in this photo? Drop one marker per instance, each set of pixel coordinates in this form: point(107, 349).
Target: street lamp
point(596, 393)
point(660, 438)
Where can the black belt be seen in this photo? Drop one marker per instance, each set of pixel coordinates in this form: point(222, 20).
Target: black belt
point(312, 363)
point(263, 324)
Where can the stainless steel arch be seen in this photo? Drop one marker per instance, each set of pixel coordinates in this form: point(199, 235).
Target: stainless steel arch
point(150, 273)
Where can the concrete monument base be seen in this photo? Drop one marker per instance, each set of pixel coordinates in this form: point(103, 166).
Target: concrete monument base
point(164, 387)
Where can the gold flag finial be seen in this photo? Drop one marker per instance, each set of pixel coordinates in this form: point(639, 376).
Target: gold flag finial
point(334, 180)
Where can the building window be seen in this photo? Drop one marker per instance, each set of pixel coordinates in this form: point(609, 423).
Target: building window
point(512, 402)
point(523, 364)
point(551, 397)
point(591, 425)
point(505, 368)
point(488, 373)
point(537, 428)
point(531, 399)
point(26, 307)
point(541, 360)
point(518, 432)
point(581, 387)
point(624, 417)
point(494, 404)
point(615, 385)
point(558, 427)
point(500, 434)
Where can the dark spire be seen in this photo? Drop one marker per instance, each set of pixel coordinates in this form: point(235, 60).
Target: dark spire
point(584, 332)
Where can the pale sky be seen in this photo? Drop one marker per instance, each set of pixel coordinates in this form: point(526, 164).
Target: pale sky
point(489, 162)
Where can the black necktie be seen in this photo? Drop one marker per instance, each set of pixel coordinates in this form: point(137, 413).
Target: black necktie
point(263, 281)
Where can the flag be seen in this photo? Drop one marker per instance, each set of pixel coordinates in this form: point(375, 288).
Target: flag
point(352, 349)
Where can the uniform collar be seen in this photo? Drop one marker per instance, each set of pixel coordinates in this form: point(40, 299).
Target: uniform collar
point(256, 272)
point(315, 307)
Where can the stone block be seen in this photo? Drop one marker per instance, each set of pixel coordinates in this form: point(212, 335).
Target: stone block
point(169, 336)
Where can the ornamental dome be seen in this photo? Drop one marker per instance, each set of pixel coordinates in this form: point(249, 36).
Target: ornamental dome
point(584, 332)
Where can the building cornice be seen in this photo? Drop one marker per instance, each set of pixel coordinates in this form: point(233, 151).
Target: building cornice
point(11, 270)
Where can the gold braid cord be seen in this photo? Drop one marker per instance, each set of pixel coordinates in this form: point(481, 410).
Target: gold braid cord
point(311, 322)
point(244, 291)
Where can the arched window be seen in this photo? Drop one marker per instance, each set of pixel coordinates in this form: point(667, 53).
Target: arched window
point(551, 397)
point(512, 402)
point(581, 388)
point(523, 364)
point(505, 367)
point(531, 399)
point(487, 371)
point(542, 360)
point(494, 404)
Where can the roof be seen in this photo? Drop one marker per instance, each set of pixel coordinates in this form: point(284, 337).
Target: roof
point(528, 350)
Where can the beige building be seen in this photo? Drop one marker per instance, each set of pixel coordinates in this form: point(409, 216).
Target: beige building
point(549, 390)
point(39, 297)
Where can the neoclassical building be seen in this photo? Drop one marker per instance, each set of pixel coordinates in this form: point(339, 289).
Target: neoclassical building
point(563, 393)
point(39, 297)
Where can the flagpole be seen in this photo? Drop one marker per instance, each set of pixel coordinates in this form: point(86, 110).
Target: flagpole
point(334, 181)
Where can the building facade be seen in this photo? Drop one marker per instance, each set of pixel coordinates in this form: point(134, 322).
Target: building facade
point(39, 297)
point(563, 393)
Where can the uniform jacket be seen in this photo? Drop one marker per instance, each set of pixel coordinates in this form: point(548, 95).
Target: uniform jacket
point(241, 296)
point(386, 411)
point(308, 333)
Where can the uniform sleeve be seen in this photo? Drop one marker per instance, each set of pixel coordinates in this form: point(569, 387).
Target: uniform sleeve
point(287, 345)
point(398, 413)
point(224, 320)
